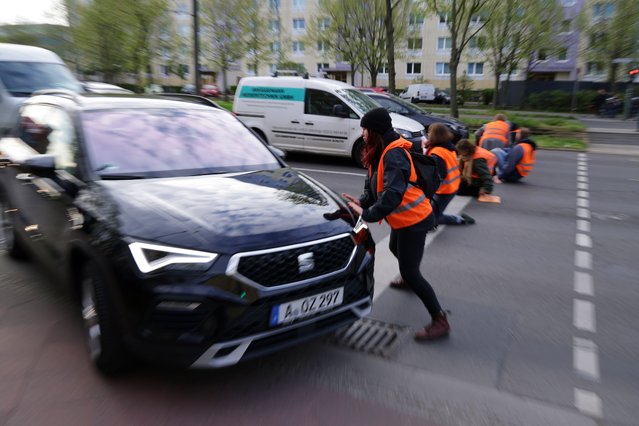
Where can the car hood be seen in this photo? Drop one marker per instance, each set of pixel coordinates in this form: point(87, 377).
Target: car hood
point(401, 122)
point(224, 213)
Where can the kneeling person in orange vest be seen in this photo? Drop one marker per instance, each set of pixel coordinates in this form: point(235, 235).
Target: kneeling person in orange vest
point(496, 134)
point(477, 168)
point(518, 161)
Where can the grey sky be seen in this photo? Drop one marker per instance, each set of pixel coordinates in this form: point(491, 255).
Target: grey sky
point(31, 12)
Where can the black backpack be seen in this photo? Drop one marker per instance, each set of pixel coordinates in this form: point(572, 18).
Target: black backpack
point(428, 177)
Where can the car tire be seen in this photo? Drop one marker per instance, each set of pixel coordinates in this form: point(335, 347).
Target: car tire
point(102, 331)
point(358, 150)
point(413, 100)
point(12, 242)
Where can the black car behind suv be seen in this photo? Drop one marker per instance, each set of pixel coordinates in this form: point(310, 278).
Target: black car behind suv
point(184, 237)
point(399, 106)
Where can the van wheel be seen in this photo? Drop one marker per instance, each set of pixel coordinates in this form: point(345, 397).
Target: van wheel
point(358, 151)
point(11, 241)
point(413, 100)
point(261, 135)
point(103, 336)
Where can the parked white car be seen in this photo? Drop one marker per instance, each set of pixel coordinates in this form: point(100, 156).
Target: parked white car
point(419, 93)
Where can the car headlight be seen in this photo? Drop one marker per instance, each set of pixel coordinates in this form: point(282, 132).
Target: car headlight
point(150, 257)
point(404, 133)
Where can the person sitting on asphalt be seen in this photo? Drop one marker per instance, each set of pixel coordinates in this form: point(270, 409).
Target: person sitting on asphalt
point(439, 144)
point(517, 162)
point(477, 168)
point(496, 134)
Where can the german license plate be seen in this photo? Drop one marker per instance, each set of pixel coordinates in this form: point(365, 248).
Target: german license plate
point(300, 308)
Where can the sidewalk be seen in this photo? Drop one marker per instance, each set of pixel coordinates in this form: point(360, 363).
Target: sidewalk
point(612, 135)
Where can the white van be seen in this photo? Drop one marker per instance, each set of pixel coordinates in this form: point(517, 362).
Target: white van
point(24, 70)
point(419, 93)
point(311, 114)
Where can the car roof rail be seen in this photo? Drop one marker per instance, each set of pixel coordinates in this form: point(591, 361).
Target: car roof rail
point(69, 94)
point(190, 98)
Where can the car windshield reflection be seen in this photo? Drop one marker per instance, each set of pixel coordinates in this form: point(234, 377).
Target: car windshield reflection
point(137, 143)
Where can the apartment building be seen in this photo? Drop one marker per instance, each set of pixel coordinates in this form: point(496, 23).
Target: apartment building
point(423, 56)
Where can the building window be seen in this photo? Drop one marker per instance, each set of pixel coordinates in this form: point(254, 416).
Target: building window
point(182, 9)
point(414, 44)
point(475, 68)
point(324, 24)
point(298, 47)
point(568, 3)
point(184, 69)
point(565, 26)
point(321, 46)
point(476, 19)
point(275, 47)
point(251, 69)
point(322, 66)
point(542, 55)
point(413, 68)
point(274, 4)
point(383, 69)
point(415, 19)
point(475, 42)
point(298, 24)
point(165, 70)
point(443, 18)
point(274, 25)
point(594, 68)
point(562, 54)
point(298, 4)
point(444, 43)
point(603, 10)
point(272, 68)
point(184, 30)
point(442, 68)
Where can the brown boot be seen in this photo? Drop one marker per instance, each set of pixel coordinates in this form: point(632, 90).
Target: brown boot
point(435, 330)
point(400, 284)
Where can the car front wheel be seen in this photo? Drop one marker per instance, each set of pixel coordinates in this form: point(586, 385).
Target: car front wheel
point(103, 336)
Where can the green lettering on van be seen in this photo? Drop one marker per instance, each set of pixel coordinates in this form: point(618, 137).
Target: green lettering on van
point(273, 93)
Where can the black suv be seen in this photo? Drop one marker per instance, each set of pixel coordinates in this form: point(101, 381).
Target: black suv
point(184, 237)
point(399, 106)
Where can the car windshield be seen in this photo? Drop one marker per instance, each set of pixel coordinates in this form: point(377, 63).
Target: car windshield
point(163, 142)
point(24, 78)
point(358, 100)
point(396, 99)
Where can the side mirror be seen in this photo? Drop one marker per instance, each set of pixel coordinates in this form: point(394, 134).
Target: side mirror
point(42, 165)
point(340, 111)
point(278, 152)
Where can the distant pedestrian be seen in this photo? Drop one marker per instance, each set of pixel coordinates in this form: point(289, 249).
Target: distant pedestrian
point(517, 162)
point(495, 134)
point(389, 196)
point(439, 144)
point(477, 168)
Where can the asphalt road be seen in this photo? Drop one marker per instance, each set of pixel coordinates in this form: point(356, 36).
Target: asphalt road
point(543, 293)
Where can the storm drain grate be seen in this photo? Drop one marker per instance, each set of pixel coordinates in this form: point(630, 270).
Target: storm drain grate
point(371, 336)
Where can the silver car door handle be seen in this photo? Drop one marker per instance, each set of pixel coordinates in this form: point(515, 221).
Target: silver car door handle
point(308, 123)
point(295, 122)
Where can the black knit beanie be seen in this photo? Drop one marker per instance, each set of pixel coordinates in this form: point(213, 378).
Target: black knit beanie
point(378, 120)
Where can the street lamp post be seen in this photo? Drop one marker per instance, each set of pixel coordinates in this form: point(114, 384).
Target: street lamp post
point(196, 47)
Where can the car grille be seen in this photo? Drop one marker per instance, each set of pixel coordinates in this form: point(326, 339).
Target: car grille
point(416, 134)
point(283, 267)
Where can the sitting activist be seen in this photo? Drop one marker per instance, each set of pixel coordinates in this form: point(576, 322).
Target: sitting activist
point(518, 161)
point(477, 168)
point(389, 195)
point(439, 144)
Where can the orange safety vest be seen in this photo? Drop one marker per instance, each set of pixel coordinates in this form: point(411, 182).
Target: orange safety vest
point(451, 181)
point(525, 165)
point(414, 207)
point(491, 159)
point(496, 130)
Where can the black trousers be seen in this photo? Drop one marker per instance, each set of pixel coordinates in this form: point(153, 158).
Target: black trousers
point(468, 189)
point(407, 245)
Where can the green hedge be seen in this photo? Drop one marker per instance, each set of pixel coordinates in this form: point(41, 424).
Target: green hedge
point(560, 100)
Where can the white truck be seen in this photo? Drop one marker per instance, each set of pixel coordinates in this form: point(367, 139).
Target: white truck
point(311, 114)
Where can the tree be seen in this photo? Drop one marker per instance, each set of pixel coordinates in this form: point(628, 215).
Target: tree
point(225, 23)
point(464, 19)
point(258, 35)
point(146, 14)
point(612, 32)
point(395, 23)
point(516, 30)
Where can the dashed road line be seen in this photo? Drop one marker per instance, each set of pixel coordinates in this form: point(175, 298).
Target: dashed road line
point(584, 315)
point(583, 259)
point(586, 359)
point(583, 284)
point(583, 240)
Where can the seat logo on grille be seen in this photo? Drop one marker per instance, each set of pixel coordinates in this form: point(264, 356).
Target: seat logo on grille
point(305, 262)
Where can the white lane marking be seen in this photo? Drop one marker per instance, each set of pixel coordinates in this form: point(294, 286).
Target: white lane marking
point(582, 173)
point(583, 186)
point(582, 167)
point(331, 172)
point(583, 213)
point(588, 403)
point(386, 267)
point(583, 225)
point(583, 179)
point(583, 284)
point(583, 194)
point(583, 316)
point(585, 358)
point(583, 240)
point(583, 259)
point(582, 155)
point(582, 202)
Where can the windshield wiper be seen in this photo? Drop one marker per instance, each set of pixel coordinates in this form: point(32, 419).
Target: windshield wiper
point(116, 176)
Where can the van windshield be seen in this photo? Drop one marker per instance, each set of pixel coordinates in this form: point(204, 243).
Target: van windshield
point(24, 78)
point(358, 100)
